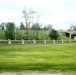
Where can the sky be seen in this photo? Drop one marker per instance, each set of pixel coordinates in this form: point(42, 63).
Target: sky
point(60, 13)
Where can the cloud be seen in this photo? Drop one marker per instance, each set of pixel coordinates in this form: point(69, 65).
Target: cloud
point(60, 17)
point(56, 12)
point(10, 16)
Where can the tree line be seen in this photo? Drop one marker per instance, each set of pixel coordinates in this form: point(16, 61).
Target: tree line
point(30, 27)
point(13, 32)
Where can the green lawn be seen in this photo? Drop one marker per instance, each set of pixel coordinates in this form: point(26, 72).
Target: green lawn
point(52, 57)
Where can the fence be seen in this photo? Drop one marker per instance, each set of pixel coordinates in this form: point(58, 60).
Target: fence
point(36, 41)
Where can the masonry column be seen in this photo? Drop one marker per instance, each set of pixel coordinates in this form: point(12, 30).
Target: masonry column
point(70, 35)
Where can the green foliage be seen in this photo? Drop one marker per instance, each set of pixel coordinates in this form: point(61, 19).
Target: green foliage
point(53, 34)
point(48, 27)
point(36, 27)
point(54, 57)
point(2, 33)
point(42, 34)
point(63, 37)
point(2, 26)
point(22, 27)
point(10, 30)
point(73, 27)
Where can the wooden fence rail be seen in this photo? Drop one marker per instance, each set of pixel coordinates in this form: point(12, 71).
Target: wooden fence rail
point(36, 41)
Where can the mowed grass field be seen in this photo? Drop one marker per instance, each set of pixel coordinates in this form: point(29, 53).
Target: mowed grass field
point(52, 57)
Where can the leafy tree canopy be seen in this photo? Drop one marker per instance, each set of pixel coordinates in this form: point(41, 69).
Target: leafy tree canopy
point(10, 30)
point(53, 34)
point(22, 27)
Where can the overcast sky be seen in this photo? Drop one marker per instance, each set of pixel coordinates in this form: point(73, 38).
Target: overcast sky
point(59, 13)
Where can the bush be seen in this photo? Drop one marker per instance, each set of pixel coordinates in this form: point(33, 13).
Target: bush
point(10, 30)
point(53, 34)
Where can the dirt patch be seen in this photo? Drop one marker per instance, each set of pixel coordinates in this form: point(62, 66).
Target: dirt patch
point(33, 73)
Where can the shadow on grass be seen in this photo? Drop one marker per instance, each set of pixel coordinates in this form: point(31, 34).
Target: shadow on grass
point(38, 66)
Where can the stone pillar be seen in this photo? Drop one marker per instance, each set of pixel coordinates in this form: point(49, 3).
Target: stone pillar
point(9, 41)
point(69, 41)
point(62, 41)
point(54, 41)
point(22, 41)
point(75, 38)
point(44, 41)
point(70, 35)
point(34, 41)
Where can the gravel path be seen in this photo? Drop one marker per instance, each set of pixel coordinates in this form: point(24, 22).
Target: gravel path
point(33, 73)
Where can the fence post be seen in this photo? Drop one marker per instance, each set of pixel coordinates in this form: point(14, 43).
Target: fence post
point(54, 41)
point(44, 41)
point(34, 41)
point(69, 41)
point(9, 41)
point(22, 41)
point(62, 41)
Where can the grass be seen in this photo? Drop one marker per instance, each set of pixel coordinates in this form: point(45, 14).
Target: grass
point(63, 37)
point(52, 57)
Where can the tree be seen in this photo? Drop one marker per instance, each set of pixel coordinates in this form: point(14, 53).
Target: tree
point(22, 27)
point(2, 26)
point(53, 34)
point(28, 15)
point(48, 27)
point(35, 28)
point(73, 27)
point(10, 30)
